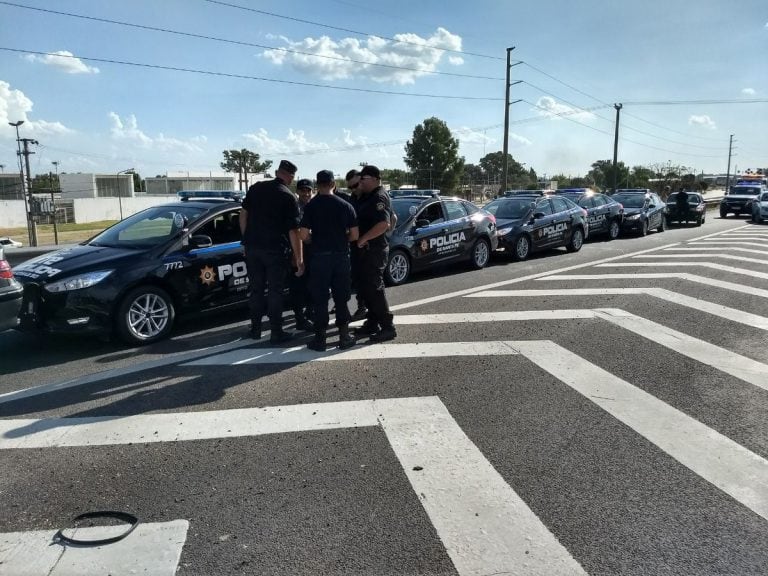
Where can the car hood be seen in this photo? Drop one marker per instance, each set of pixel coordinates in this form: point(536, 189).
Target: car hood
point(509, 222)
point(69, 261)
point(632, 211)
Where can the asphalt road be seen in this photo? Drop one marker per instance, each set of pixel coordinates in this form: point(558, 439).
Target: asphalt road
point(566, 415)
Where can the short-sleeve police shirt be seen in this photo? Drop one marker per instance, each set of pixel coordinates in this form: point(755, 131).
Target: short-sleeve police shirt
point(273, 211)
point(329, 217)
point(373, 208)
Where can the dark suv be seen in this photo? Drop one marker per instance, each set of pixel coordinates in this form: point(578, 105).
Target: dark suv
point(643, 210)
point(436, 230)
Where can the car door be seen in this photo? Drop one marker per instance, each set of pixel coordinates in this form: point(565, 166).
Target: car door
point(562, 221)
point(543, 232)
point(594, 220)
point(601, 214)
point(461, 229)
point(210, 276)
point(429, 236)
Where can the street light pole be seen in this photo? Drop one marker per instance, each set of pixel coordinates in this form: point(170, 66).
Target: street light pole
point(21, 179)
point(53, 204)
point(119, 193)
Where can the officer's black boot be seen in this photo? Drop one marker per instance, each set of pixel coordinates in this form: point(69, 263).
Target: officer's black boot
point(346, 340)
point(386, 333)
point(255, 331)
point(302, 322)
point(318, 342)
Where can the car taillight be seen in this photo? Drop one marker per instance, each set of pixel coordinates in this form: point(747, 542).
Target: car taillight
point(492, 218)
point(5, 270)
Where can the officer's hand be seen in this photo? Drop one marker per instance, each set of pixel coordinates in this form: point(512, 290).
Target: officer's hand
point(362, 243)
point(299, 269)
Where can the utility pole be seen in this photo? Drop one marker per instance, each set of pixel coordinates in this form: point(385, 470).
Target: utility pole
point(53, 205)
point(32, 223)
point(728, 172)
point(616, 149)
point(507, 103)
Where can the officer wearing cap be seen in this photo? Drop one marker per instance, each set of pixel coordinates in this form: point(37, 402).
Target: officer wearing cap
point(331, 224)
point(373, 215)
point(298, 286)
point(269, 222)
point(353, 181)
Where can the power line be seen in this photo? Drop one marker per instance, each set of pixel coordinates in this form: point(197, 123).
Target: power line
point(243, 43)
point(246, 77)
point(696, 102)
point(349, 31)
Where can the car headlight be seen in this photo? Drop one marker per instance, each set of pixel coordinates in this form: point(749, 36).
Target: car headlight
point(503, 231)
point(634, 217)
point(78, 282)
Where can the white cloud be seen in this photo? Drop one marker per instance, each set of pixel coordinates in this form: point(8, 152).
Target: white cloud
point(295, 142)
point(748, 91)
point(403, 52)
point(704, 121)
point(15, 106)
point(547, 106)
point(127, 130)
point(65, 61)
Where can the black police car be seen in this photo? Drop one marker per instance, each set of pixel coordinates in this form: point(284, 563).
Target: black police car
point(437, 230)
point(134, 277)
point(695, 211)
point(643, 210)
point(529, 222)
point(604, 214)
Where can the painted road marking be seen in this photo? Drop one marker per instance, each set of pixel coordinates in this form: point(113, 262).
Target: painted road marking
point(735, 470)
point(731, 243)
point(716, 249)
point(662, 276)
point(152, 548)
point(710, 265)
point(484, 525)
point(722, 256)
point(733, 314)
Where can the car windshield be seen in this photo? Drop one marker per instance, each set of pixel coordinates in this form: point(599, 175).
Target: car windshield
point(510, 208)
point(148, 228)
point(692, 198)
point(745, 190)
point(631, 200)
point(406, 208)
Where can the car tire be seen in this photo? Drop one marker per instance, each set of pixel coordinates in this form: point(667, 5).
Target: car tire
point(614, 229)
point(723, 213)
point(662, 224)
point(522, 248)
point(699, 221)
point(576, 241)
point(145, 315)
point(481, 254)
point(644, 228)
point(398, 268)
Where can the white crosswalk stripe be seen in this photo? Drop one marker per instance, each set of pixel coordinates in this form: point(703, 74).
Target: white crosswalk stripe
point(720, 256)
point(717, 249)
point(711, 265)
point(712, 242)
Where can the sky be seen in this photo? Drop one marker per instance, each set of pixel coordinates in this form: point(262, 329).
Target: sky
point(331, 84)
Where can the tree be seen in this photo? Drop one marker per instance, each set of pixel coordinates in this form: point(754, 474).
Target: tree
point(602, 174)
point(395, 177)
point(432, 155)
point(493, 165)
point(138, 183)
point(641, 177)
point(473, 174)
point(244, 162)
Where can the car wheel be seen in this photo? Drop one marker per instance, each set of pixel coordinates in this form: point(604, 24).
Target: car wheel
point(662, 225)
point(576, 241)
point(699, 221)
point(614, 230)
point(145, 315)
point(398, 269)
point(723, 213)
point(522, 248)
point(644, 228)
point(481, 253)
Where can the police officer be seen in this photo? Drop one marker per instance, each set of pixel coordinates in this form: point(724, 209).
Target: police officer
point(331, 224)
point(353, 181)
point(298, 286)
point(269, 222)
point(373, 216)
point(682, 206)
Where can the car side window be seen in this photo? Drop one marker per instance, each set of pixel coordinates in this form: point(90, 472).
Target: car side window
point(588, 202)
point(433, 213)
point(559, 204)
point(599, 201)
point(470, 208)
point(223, 228)
point(454, 210)
point(544, 207)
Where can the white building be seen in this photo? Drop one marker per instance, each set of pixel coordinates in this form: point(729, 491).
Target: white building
point(11, 187)
point(89, 185)
point(173, 182)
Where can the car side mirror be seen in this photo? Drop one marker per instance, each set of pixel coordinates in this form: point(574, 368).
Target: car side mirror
point(422, 223)
point(200, 241)
point(537, 215)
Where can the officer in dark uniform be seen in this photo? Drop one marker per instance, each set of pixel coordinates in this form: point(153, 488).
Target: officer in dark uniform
point(331, 224)
point(373, 216)
point(269, 222)
point(353, 181)
point(682, 206)
point(298, 286)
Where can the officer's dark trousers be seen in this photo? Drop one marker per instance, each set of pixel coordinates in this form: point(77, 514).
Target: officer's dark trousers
point(354, 258)
point(372, 263)
point(267, 269)
point(298, 287)
point(330, 270)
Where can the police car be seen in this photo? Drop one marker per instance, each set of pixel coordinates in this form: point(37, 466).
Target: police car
point(435, 230)
point(760, 208)
point(740, 197)
point(529, 222)
point(604, 214)
point(695, 211)
point(643, 210)
point(136, 276)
